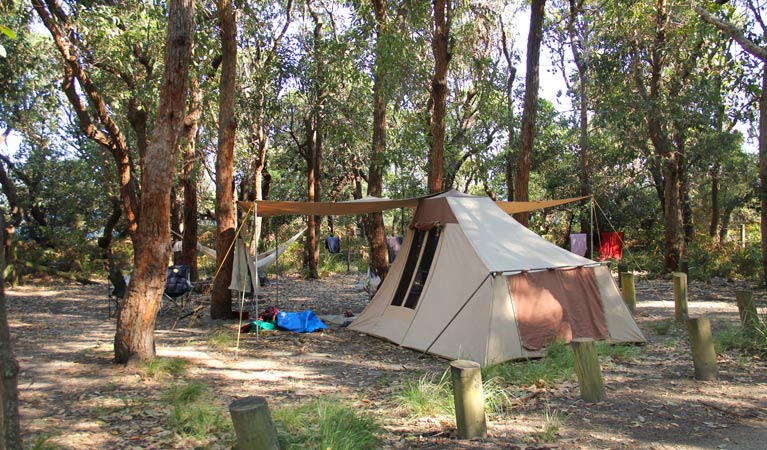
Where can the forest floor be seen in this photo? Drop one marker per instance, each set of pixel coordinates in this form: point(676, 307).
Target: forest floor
point(73, 397)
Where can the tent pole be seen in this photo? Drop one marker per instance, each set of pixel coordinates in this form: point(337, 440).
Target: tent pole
point(591, 228)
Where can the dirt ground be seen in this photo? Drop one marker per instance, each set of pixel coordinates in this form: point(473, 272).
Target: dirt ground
point(74, 396)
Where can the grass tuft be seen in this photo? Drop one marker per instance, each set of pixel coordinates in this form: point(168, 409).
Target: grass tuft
point(159, 368)
point(428, 395)
point(194, 413)
point(661, 327)
point(557, 366)
point(551, 426)
point(619, 353)
point(222, 339)
point(325, 424)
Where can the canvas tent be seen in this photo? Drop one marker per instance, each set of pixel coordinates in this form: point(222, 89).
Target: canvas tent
point(472, 283)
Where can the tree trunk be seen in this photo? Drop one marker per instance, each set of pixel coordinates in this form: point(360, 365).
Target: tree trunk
point(134, 338)
point(17, 215)
point(379, 254)
point(439, 93)
point(530, 108)
point(579, 45)
point(260, 141)
point(10, 431)
point(726, 218)
point(763, 166)
point(188, 179)
point(509, 158)
point(714, 225)
point(313, 125)
point(221, 297)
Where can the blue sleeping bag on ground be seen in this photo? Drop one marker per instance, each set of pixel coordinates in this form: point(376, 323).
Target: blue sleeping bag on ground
point(299, 322)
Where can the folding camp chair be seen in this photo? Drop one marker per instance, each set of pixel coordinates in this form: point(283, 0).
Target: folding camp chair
point(178, 288)
point(117, 288)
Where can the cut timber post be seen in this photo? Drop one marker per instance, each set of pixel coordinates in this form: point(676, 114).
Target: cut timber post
point(469, 399)
point(680, 297)
point(253, 424)
point(622, 268)
point(628, 291)
point(702, 346)
point(747, 309)
point(589, 372)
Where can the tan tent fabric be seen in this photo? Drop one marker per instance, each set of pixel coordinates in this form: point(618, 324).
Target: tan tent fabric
point(518, 207)
point(557, 305)
point(268, 208)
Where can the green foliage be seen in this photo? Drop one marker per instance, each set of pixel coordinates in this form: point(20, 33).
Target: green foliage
point(324, 424)
point(159, 368)
point(708, 259)
point(743, 340)
point(194, 412)
point(618, 353)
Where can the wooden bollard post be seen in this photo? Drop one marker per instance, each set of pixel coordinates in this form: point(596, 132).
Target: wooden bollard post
point(589, 372)
point(253, 424)
point(680, 297)
point(469, 399)
point(628, 291)
point(622, 268)
point(747, 309)
point(702, 346)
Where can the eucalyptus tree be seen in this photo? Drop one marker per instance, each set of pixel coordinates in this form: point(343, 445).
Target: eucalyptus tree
point(134, 339)
point(530, 107)
point(647, 59)
point(476, 115)
point(221, 296)
point(438, 98)
point(572, 30)
point(10, 430)
point(752, 40)
point(379, 256)
point(265, 25)
point(108, 57)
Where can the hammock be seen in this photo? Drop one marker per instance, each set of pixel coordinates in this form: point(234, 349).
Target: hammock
point(263, 260)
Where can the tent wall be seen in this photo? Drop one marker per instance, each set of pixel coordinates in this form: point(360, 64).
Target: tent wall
point(620, 324)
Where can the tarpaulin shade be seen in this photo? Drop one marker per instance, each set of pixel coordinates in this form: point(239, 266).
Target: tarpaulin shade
point(267, 208)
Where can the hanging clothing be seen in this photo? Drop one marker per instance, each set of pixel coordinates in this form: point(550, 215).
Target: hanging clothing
point(394, 244)
point(611, 245)
point(579, 243)
point(333, 244)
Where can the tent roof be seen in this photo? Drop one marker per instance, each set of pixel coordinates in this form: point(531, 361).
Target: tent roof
point(373, 204)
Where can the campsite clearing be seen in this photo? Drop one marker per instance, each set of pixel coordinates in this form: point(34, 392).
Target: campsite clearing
point(72, 394)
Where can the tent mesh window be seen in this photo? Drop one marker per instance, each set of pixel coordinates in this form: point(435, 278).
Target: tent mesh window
point(422, 273)
point(410, 263)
